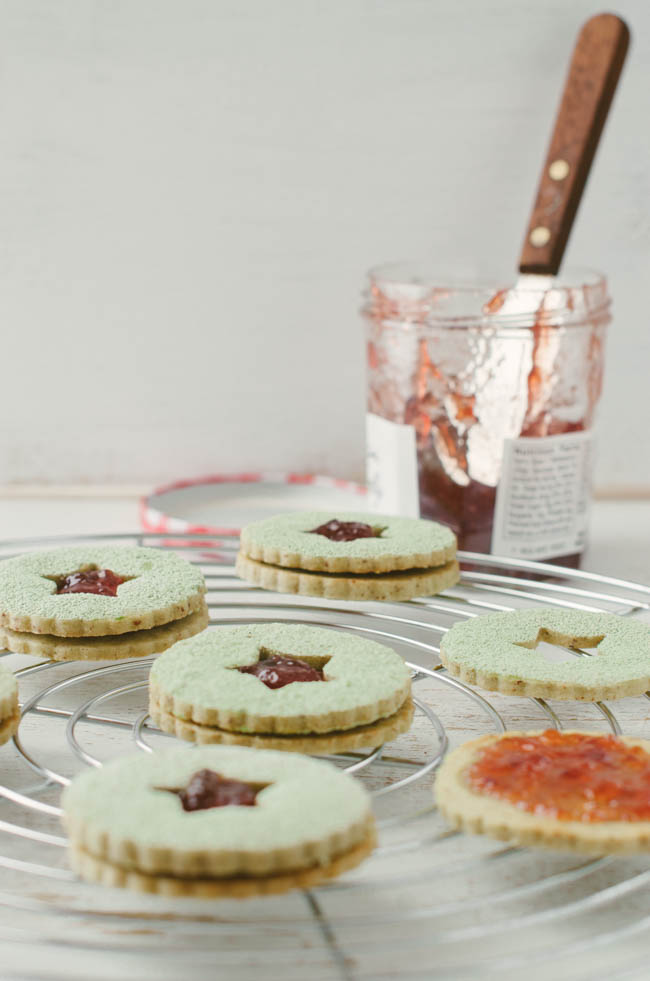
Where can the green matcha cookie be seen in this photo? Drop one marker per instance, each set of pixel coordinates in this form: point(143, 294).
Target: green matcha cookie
point(382, 543)
point(498, 652)
point(154, 587)
point(198, 680)
point(155, 822)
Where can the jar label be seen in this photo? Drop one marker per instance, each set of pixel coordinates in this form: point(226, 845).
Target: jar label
point(391, 467)
point(543, 497)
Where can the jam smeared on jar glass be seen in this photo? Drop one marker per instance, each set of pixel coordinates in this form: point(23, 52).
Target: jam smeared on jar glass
point(208, 789)
point(100, 581)
point(345, 531)
point(454, 364)
point(572, 776)
point(277, 670)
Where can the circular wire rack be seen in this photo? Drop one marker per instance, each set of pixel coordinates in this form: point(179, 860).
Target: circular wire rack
point(428, 903)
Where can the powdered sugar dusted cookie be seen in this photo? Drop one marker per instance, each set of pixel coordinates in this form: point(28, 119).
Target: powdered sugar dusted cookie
point(572, 791)
point(97, 590)
point(9, 713)
point(216, 821)
point(138, 643)
point(325, 541)
point(498, 652)
point(281, 679)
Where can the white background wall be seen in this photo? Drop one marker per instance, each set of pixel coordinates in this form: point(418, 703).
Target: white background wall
point(191, 191)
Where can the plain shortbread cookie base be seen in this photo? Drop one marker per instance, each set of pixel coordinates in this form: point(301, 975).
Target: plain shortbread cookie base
point(9, 726)
point(390, 586)
point(405, 543)
point(9, 712)
point(8, 692)
point(466, 810)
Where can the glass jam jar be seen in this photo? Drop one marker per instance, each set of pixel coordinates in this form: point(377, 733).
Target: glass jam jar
point(481, 403)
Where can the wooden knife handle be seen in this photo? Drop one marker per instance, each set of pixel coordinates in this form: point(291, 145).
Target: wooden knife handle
point(595, 68)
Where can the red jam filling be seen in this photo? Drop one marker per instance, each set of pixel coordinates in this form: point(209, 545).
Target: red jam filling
point(101, 581)
point(209, 789)
point(571, 776)
point(276, 671)
point(345, 531)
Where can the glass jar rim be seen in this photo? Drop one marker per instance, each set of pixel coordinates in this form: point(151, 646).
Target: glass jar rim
point(405, 292)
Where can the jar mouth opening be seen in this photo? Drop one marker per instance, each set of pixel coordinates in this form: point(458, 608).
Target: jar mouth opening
point(411, 292)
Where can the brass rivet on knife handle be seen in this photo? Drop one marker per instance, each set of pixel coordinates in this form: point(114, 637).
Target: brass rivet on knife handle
point(539, 236)
point(595, 68)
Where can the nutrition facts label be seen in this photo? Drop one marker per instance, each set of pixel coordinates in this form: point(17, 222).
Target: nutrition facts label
point(542, 503)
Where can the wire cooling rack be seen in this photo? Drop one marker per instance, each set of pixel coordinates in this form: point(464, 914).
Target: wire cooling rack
point(429, 903)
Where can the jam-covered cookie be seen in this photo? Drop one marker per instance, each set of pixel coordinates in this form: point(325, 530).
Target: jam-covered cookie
point(97, 590)
point(216, 821)
point(279, 679)
point(574, 791)
point(9, 712)
point(500, 652)
point(348, 555)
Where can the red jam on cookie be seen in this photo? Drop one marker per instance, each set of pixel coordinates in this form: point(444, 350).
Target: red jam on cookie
point(276, 671)
point(101, 581)
point(571, 776)
point(209, 789)
point(345, 531)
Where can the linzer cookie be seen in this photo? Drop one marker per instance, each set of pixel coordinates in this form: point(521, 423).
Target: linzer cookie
point(348, 555)
point(9, 712)
point(97, 590)
point(572, 791)
point(138, 643)
point(281, 686)
point(499, 652)
point(216, 821)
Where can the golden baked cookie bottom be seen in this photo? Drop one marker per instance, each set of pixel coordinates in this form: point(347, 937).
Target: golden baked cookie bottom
point(9, 726)
point(138, 643)
point(367, 736)
point(390, 586)
point(467, 810)
point(98, 870)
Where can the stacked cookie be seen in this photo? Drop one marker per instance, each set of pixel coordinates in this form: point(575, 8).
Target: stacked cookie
point(216, 821)
point(99, 602)
point(281, 686)
point(349, 556)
